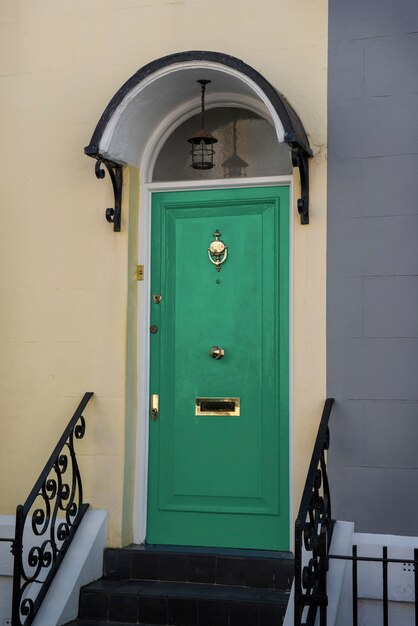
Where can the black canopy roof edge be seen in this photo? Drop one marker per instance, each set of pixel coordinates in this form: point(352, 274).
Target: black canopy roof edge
point(295, 134)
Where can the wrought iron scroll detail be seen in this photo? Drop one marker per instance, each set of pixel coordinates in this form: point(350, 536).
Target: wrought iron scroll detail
point(113, 215)
point(300, 159)
point(47, 522)
point(313, 532)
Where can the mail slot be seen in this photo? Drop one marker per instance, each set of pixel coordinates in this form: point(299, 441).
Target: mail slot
point(217, 406)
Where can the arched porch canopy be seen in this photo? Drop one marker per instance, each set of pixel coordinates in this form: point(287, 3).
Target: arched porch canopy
point(164, 93)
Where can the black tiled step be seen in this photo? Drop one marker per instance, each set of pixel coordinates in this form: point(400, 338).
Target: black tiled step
point(185, 604)
point(212, 614)
point(94, 622)
point(188, 586)
point(184, 590)
point(247, 568)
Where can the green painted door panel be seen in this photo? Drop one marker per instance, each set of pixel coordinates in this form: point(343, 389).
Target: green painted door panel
point(218, 480)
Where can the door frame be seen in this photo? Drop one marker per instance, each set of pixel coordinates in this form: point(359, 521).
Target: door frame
point(143, 321)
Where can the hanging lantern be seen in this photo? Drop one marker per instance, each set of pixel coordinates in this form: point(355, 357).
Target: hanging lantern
point(202, 141)
point(234, 166)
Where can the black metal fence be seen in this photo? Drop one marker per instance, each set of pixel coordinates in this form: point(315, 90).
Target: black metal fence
point(47, 522)
point(313, 534)
point(384, 598)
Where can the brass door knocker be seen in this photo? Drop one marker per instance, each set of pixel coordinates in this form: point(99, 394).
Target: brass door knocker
point(217, 251)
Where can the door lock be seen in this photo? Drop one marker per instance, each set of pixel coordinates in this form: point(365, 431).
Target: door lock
point(217, 353)
point(155, 406)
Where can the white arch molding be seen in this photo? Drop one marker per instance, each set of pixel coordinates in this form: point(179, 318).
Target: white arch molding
point(133, 129)
point(172, 91)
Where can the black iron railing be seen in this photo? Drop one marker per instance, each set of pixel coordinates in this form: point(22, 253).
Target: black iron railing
point(51, 514)
point(408, 565)
point(313, 532)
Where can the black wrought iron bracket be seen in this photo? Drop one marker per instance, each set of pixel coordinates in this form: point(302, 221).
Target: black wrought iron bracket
point(300, 159)
point(113, 215)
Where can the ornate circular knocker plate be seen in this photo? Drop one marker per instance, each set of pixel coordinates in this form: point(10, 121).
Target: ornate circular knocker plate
point(217, 251)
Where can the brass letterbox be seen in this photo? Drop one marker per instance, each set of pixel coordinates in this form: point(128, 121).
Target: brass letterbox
point(217, 406)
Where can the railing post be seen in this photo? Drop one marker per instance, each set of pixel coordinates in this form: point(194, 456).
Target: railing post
point(385, 587)
point(17, 551)
point(416, 584)
point(323, 568)
point(354, 586)
point(298, 574)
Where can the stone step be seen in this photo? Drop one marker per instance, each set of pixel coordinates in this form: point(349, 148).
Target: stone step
point(245, 568)
point(178, 603)
point(93, 622)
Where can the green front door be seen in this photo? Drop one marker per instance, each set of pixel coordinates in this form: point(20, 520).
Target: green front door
point(219, 447)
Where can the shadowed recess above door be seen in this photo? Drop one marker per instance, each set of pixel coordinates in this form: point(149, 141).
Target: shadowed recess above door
point(247, 147)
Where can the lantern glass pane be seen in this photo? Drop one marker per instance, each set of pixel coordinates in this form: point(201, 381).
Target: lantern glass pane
point(240, 133)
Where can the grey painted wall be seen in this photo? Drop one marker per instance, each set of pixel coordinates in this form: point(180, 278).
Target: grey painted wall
point(372, 261)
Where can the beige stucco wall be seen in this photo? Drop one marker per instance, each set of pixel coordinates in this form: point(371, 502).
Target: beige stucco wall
point(68, 298)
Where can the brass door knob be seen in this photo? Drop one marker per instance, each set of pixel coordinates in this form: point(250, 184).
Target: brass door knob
point(216, 352)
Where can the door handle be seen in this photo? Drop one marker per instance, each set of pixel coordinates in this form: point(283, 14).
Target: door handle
point(216, 352)
point(155, 406)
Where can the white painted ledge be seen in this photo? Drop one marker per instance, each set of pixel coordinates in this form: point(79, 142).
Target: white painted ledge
point(339, 577)
point(7, 530)
point(82, 564)
point(401, 583)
